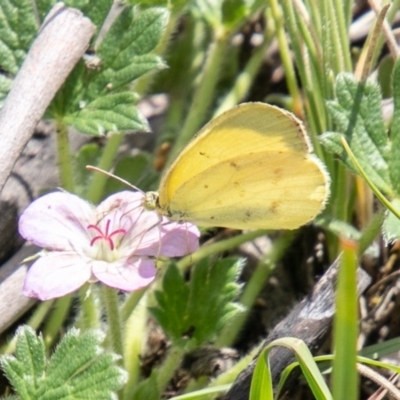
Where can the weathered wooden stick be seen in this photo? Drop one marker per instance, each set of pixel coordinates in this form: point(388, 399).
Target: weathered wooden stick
point(13, 304)
point(61, 42)
point(310, 321)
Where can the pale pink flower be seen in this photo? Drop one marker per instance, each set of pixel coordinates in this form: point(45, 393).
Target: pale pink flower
point(115, 243)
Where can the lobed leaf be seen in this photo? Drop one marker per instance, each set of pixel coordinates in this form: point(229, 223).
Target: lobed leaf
point(181, 309)
point(395, 131)
point(18, 27)
point(358, 116)
point(391, 224)
point(170, 312)
point(26, 370)
point(114, 112)
point(17, 30)
point(99, 100)
point(78, 369)
point(215, 282)
point(96, 11)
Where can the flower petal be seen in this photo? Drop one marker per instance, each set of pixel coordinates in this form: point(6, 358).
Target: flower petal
point(125, 211)
point(56, 274)
point(148, 233)
point(127, 200)
point(179, 239)
point(127, 276)
point(172, 240)
point(57, 221)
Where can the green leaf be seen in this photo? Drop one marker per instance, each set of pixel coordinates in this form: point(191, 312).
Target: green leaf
point(147, 389)
point(124, 52)
point(384, 78)
point(391, 224)
point(26, 370)
point(99, 100)
point(44, 6)
point(110, 113)
point(17, 30)
point(216, 282)
point(133, 33)
point(5, 86)
point(345, 325)
point(395, 131)
point(358, 116)
point(96, 10)
point(261, 382)
point(309, 368)
point(181, 308)
point(78, 369)
point(172, 301)
point(234, 12)
point(133, 68)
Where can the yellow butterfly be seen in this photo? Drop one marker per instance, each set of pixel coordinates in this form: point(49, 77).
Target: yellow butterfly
point(251, 167)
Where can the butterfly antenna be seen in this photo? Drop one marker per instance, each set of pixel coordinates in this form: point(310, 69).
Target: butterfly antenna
point(110, 175)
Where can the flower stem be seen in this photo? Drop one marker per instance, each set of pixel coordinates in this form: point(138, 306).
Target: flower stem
point(56, 320)
point(114, 335)
point(131, 303)
point(219, 247)
point(90, 314)
point(171, 363)
point(134, 337)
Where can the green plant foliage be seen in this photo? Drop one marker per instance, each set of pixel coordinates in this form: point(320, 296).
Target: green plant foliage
point(262, 385)
point(391, 224)
point(17, 30)
point(395, 131)
point(345, 331)
point(88, 154)
point(209, 10)
point(78, 369)
point(147, 389)
point(234, 12)
point(202, 307)
point(358, 116)
point(95, 10)
point(99, 100)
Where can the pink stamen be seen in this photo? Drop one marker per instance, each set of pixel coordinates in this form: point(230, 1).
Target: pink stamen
point(106, 236)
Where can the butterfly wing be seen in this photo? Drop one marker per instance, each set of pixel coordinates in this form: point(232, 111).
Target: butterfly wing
point(249, 168)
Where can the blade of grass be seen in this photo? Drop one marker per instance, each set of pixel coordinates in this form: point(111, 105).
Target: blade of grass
point(344, 374)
